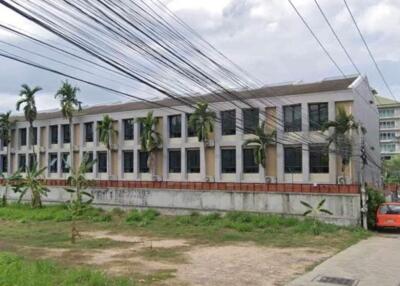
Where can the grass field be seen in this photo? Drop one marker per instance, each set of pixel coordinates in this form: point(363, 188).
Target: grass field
point(31, 238)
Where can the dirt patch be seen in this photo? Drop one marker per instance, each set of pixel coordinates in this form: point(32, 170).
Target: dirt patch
point(246, 265)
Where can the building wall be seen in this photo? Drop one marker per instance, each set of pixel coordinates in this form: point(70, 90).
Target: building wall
point(271, 110)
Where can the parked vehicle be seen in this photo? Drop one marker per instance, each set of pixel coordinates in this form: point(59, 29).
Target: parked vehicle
point(388, 215)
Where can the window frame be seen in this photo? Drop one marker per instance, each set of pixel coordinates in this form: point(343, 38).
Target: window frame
point(175, 128)
point(143, 157)
point(295, 124)
point(128, 168)
point(316, 154)
point(253, 168)
point(66, 130)
point(129, 129)
point(23, 138)
point(22, 167)
point(190, 131)
point(53, 135)
point(289, 154)
point(4, 163)
point(89, 136)
point(226, 169)
point(102, 166)
point(193, 168)
point(250, 124)
point(64, 167)
point(228, 122)
point(53, 168)
point(171, 167)
point(90, 159)
point(322, 118)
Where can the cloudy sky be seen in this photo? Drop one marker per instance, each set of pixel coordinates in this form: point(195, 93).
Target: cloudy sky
point(265, 37)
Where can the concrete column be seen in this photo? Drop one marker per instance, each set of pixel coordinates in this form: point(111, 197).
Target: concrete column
point(239, 123)
point(120, 161)
point(305, 127)
point(95, 168)
point(280, 171)
point(217, 147)
point(59, 159)
point(28, 139)
point(261, 173)
point(203, 172)
point(136, 140)
point(185, 125)
point(305, 163)
point(165, 134)
point(60, 135)
point(239, 162)
point(46, 161)
point(95, 134)
point(183, 164)
point(332, 155)
point(39, 139)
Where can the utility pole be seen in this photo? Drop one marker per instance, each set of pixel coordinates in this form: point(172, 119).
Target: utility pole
point(364, 198)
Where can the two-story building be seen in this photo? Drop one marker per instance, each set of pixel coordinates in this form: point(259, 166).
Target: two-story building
point(296, 111)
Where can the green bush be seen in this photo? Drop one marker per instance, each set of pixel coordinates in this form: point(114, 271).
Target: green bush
point(375, 199)
point(142, 218)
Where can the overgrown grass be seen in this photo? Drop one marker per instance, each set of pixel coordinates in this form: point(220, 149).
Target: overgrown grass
point(16, 271)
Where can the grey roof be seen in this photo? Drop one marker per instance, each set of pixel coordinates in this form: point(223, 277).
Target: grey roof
point(267, 91)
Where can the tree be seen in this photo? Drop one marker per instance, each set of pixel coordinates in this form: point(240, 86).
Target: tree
point(260, 143)
point(202, 122)
point(315, 212)
point(69, 106)
point(78, 184)
point(9, 181)
point(392, 170)
point(150, 139)
point(341, 136)
point(30, 112)
point(33, 182)
point(5, 133)
point(106, 131)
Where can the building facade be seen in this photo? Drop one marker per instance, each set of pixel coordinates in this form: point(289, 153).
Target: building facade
point(389, 126)
point(295, 111)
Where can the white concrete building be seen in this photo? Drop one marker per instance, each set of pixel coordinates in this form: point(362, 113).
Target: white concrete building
point(296, 111)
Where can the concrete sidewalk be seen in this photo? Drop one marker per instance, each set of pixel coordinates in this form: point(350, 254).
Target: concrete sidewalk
point(372, 262)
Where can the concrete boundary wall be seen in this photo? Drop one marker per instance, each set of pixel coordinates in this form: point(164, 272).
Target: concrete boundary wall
point(345, 207)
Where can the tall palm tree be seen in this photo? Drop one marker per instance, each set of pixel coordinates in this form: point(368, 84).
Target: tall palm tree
point(69, 106)
point(341, 136)
point(150, 139)
point(202, 122)
point(27, 95)
point(5, 134)
point(260, 143)
point(106, 131)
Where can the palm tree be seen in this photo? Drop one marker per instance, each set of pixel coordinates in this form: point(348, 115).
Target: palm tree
point(341, 136)
point(28, 99)
point(202, 122)
point(5, 134)
point(79, 183)
point(260, 143)
point(106, 131)
point(69, 106)
point(150, 139)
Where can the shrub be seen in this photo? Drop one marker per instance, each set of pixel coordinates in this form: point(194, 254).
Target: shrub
point(141, 218)
point(375, 199)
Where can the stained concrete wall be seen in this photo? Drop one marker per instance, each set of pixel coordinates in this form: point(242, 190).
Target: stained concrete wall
point(345, 207)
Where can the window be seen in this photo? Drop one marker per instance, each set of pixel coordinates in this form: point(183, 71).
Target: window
point(228, 161)
point(193, 161)
point(388, 147)
point(141, 128)
point(32, 160)
point(387, 135)
point(228, 122)
point(102, 162)
point(128, 129)
point(249, 163)
point(143, 156)
point(387, 112)
point(391, 209)
point(128, 161)
point(34, 136)
point(190, 131)
point(174, 161)
point(53, 162)
point(319, 159)
point(386, 124)
point(293, 159)
point(89, 156)
point(292, 118)
point(66, 133)
point(175, 126)
point(22, 162)
point(22, 136)
point(250, 120)
point(65, 162)
point(89, 132)
point(4, 163)
point(54, 134)
point(318, 115)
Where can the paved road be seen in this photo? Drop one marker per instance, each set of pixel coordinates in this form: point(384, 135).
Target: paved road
point(372, 262)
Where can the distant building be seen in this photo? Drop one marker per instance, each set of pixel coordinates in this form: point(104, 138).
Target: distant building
point(389, 126)
point(296, 111)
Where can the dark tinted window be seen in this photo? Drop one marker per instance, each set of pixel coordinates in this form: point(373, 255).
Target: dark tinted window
point(53, 162)
point(228, 161)
point(143, 157)
point(228, 122)
point(292, 118)
point(65, 161)
point(89, 159)
point(3, 163)
point(89, 132)
point(128, 161)
point(66, 134)
point(319, 159)
point(175, 126)
point(249, 164)
point(318, 115)
point(174, 161)
point(102, 162)
point(32, 160)
point(54, 134)
point(128, 129)
point(22, 162)
point(250, 120)
point(293, 159)
point(34, 136)
point(22, 136)
point(193, 161)
point(190, 131)
point(390, 209)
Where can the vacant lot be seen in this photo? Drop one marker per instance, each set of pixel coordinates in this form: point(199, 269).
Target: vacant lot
point(144, 248)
